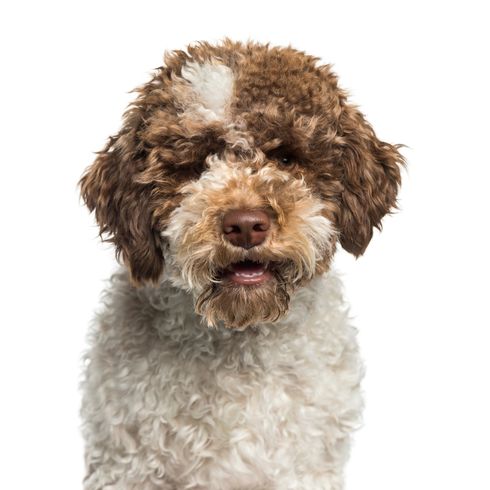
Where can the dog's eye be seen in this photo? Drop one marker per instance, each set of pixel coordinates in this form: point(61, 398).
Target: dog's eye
point(285, 159)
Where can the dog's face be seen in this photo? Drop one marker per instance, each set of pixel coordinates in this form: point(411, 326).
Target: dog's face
point(239, 167)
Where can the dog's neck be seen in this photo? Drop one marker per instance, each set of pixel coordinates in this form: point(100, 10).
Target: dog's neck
point(148, 321)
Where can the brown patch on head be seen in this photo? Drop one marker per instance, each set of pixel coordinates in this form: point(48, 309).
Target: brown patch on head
point(280, 77)
point(294, 108)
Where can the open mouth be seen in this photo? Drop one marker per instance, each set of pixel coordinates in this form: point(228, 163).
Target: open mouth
point(248, 273)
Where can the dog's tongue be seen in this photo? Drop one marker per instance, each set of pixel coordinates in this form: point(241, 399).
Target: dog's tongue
point(248, 273)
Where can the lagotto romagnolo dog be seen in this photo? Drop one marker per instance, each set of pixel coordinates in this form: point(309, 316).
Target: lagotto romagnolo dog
point(223, 357)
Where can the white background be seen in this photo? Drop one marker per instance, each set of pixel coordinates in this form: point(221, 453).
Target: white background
point(418, 70)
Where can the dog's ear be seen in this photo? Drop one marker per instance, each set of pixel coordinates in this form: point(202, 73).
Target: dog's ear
point(122, 204)
point(370, 178)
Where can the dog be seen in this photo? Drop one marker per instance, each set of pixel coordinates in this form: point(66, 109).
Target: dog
point(223, 357)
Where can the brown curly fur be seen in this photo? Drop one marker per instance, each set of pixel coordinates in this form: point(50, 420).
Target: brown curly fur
point(283, 104)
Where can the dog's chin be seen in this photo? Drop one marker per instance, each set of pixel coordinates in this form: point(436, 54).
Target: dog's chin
point(246, 294)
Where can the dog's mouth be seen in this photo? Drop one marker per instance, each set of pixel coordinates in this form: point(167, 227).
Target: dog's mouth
point(247, 273)
point(243, 293)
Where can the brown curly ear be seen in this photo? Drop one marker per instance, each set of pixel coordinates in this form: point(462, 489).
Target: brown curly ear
point(371, 177)
point(121, 206)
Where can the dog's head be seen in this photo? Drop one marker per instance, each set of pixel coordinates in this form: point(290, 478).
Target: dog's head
point(240, 167)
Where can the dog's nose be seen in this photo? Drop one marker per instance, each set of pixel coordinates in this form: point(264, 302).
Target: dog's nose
point(246, 228)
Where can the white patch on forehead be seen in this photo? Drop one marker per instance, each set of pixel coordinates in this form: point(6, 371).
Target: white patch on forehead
point(213, 85)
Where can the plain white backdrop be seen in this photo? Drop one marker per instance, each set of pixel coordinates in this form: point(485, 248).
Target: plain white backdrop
point(420, 73)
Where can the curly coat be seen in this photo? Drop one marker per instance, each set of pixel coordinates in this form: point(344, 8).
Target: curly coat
point(266, 395)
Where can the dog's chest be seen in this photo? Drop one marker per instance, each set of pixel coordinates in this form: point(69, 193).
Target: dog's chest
point(246, 408)
point(249, 407)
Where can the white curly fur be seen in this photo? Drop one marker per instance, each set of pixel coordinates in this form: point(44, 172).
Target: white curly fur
point(170, 404)
point(212, 84)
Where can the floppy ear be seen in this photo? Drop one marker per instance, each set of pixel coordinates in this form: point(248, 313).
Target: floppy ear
point(370, 178)
point(122, 205)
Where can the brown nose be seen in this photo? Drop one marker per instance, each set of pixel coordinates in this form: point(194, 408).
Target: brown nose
point(246, 228)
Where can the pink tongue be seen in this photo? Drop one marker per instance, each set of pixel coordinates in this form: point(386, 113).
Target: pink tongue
point(247, 266)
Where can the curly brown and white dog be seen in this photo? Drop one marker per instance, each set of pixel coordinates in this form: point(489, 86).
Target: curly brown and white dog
point(223, 358)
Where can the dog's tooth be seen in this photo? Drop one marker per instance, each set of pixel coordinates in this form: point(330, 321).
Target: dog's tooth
point(249, 274)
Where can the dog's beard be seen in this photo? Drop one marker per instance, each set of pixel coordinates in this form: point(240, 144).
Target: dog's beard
point(221, 300)
point(239, 307)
